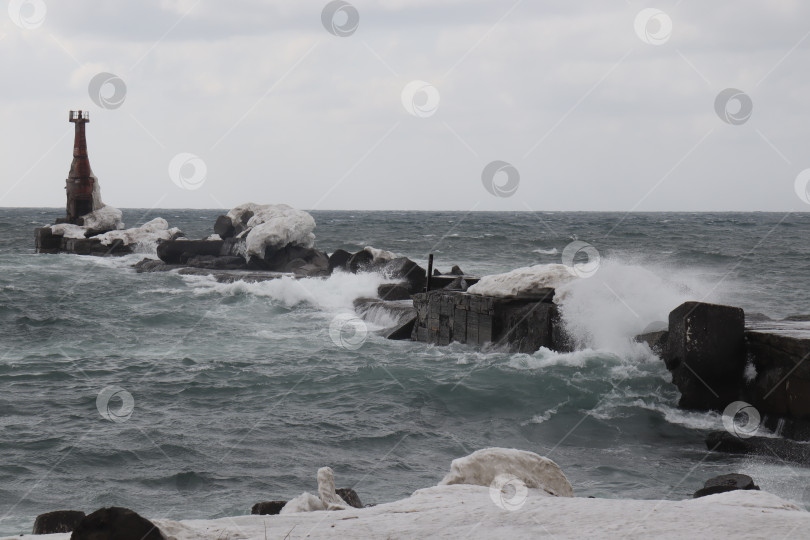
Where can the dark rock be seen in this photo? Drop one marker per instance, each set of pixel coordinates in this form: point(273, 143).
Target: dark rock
point(436, 272)
point(231, 276)
point(116, 523)
point(726, 482)
point(228, 262)
point(153, 265)
point(657, 341)
point(291, 257)
point(350, 496)
point(360, 261)
point(706, 354)
point(404, 269)
point(46, 241)
point(268, 508)
point(782, 384)
point(339, 259)
point(224, 227)
point(456, 271)
point(60, 521)
point(393, 291)
point(180, 251)
point(778, 448)
point(403, 332)
point(294, 265)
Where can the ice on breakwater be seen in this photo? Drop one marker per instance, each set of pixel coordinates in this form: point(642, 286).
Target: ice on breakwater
point(492, 493)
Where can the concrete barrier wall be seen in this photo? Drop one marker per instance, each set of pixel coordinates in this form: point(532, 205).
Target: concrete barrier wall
point(522, 323)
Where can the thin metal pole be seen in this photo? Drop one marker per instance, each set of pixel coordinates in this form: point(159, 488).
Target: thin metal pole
point(429, 272)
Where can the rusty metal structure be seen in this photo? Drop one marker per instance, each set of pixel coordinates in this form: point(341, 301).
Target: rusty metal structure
point(81, 181)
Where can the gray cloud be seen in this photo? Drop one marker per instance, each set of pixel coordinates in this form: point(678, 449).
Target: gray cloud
point(282, 111)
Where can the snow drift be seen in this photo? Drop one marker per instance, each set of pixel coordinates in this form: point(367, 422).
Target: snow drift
point(274, 226)
point(490, 466)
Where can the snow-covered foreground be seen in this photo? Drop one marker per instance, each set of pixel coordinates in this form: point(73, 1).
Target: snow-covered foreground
point(468, 511)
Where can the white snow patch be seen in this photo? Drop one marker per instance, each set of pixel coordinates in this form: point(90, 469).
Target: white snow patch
point(145, 237)
point(483, 466)
point(275, 226)
point(327, 498)
point(105, 218)
point(68, 230)
point(464, 512)
point(526, 280)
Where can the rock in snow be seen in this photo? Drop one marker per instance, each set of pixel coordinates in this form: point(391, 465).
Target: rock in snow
point(327, 498)
point(488, 467)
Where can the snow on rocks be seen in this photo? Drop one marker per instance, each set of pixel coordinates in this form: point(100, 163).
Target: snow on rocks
point(104, 219)
point(272, 225)
point(144, 237)
point(523, 281)
point(68, 230)
point(327, 498)
point(503, 469)
point(380, 255)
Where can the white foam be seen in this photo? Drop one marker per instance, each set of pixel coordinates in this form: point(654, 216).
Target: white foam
point(607, 310)
point(545, 416)
point(333, 294)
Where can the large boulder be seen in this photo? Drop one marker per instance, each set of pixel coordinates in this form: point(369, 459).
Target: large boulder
point(350, 496)
point(724, 483)
point(706, 354)
point(227, 262)
point(224, 227)
point(338, 260)
point(361, 261)
point(116, 523)
point(406, 271)
point(299, 259)
point(485, 467)
point(60, 521)
point(180, 251)
point(393, 291)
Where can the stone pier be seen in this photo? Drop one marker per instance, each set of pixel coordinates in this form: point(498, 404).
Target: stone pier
point(522, 323)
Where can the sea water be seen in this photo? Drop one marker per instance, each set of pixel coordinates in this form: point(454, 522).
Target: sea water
point(239, 394)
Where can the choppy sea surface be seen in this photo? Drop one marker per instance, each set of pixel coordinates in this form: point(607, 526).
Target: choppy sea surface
point(239, 394)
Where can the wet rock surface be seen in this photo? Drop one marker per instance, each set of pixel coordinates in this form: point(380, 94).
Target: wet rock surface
point(59, 521)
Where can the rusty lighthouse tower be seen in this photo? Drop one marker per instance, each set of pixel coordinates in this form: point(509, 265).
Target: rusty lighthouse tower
point(81, 184)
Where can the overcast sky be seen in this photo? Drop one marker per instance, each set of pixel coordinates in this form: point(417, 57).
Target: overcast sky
point(589, 105)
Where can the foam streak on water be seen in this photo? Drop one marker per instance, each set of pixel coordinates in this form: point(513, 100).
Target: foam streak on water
point(240, 394)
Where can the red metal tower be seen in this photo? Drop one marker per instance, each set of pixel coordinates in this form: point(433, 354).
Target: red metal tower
point(81, 181)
